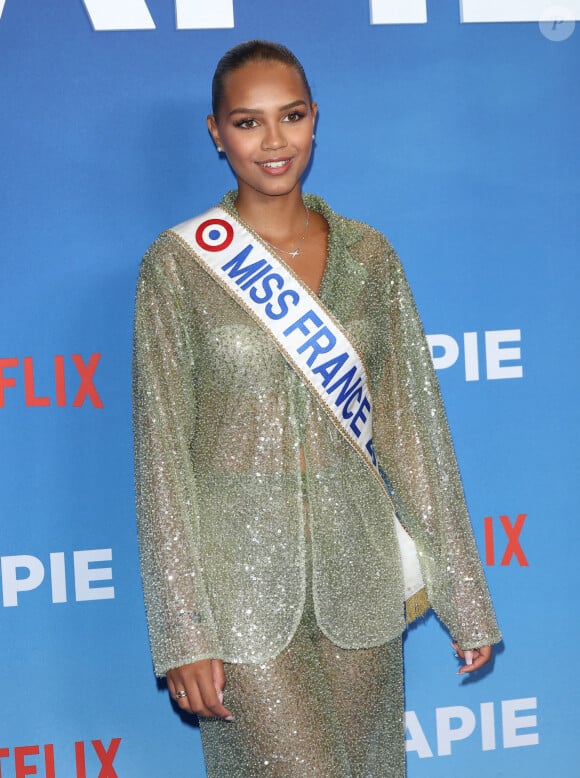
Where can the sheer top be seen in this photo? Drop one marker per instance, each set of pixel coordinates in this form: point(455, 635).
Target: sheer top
point(220, 422)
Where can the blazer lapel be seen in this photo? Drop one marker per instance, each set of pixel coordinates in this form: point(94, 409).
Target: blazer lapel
point(344, 277)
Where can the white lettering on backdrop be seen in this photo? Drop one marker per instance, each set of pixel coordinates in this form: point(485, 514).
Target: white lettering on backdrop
point(500, 347)
point(24, 573)
point(516, 720)
point(135, 15)
point(415, 11)
point(111, 15)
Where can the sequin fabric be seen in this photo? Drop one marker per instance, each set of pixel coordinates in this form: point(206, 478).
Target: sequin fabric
point(220, 421)
point(315, 710)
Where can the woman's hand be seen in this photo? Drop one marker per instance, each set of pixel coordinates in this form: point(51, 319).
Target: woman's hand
point(199, 688)
point(474, 659)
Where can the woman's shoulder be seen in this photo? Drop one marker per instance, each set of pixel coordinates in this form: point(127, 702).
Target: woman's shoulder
point(351, 230)
point(164, 252)
point(166, 266)
point(363, 242)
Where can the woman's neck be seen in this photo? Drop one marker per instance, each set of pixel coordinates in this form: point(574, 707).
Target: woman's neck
point(277, 219)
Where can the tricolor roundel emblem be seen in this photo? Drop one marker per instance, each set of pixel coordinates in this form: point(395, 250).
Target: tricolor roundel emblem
point(214, 235)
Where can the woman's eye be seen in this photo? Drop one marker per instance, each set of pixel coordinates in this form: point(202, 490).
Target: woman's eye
point(247, 124)
point(295, 116)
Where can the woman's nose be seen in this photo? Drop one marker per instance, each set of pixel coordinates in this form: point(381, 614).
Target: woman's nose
point(274, 138)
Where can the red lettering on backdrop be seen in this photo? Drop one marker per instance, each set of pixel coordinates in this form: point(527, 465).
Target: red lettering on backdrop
point(80, 760)
point(87, 391)
point(59, 381)
point(31, 399)
point(513, 533)
point(20, 752)
point(22, 769)
point(87, 387)
point(3, 753)
point(49, 761)
point(4, 382)
point(107, 756)
point(489, 544)
point(513, 547)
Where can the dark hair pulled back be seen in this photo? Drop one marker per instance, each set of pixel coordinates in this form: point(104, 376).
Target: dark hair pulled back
point(252, 51)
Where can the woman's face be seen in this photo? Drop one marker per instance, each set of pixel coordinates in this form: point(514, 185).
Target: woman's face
point(265, 126)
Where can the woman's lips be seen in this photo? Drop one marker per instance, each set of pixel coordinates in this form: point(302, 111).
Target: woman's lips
point(275, 167)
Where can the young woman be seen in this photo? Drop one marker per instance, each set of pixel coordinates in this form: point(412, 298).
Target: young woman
point(271, 567)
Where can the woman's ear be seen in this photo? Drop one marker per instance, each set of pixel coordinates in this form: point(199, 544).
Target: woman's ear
point(314, 109)
point(213, 131)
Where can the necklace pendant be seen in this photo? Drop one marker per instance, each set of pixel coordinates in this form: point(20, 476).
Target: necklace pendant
point(291, 254)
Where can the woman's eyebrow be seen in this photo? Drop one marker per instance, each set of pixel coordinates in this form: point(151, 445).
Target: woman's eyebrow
point(287, 107)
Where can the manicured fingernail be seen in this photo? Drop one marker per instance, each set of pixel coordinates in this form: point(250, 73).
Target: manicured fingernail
point(220, 695)
point(229, 718)
point(469, 657)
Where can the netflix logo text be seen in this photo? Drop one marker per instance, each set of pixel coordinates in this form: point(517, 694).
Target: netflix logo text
point(90, 760)
point(61, 382)
point(502, 541)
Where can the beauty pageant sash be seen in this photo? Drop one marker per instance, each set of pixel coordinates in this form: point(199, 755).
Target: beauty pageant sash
point(309, 337)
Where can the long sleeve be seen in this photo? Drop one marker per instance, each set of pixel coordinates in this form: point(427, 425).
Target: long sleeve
point(179, 616)
point(415, 449)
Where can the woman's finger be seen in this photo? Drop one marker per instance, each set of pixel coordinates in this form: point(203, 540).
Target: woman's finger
point(192, 687)
point(474, 659)
point(170, 684)
point(209, 697)
point(219, 677)
point(177, 690)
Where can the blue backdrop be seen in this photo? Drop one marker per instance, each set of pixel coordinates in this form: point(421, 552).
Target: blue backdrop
point(455, 137)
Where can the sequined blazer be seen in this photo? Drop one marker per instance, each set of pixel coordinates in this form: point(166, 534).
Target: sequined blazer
point(220, 422)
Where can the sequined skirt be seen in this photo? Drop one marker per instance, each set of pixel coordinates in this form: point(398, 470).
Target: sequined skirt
point(315, 710)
